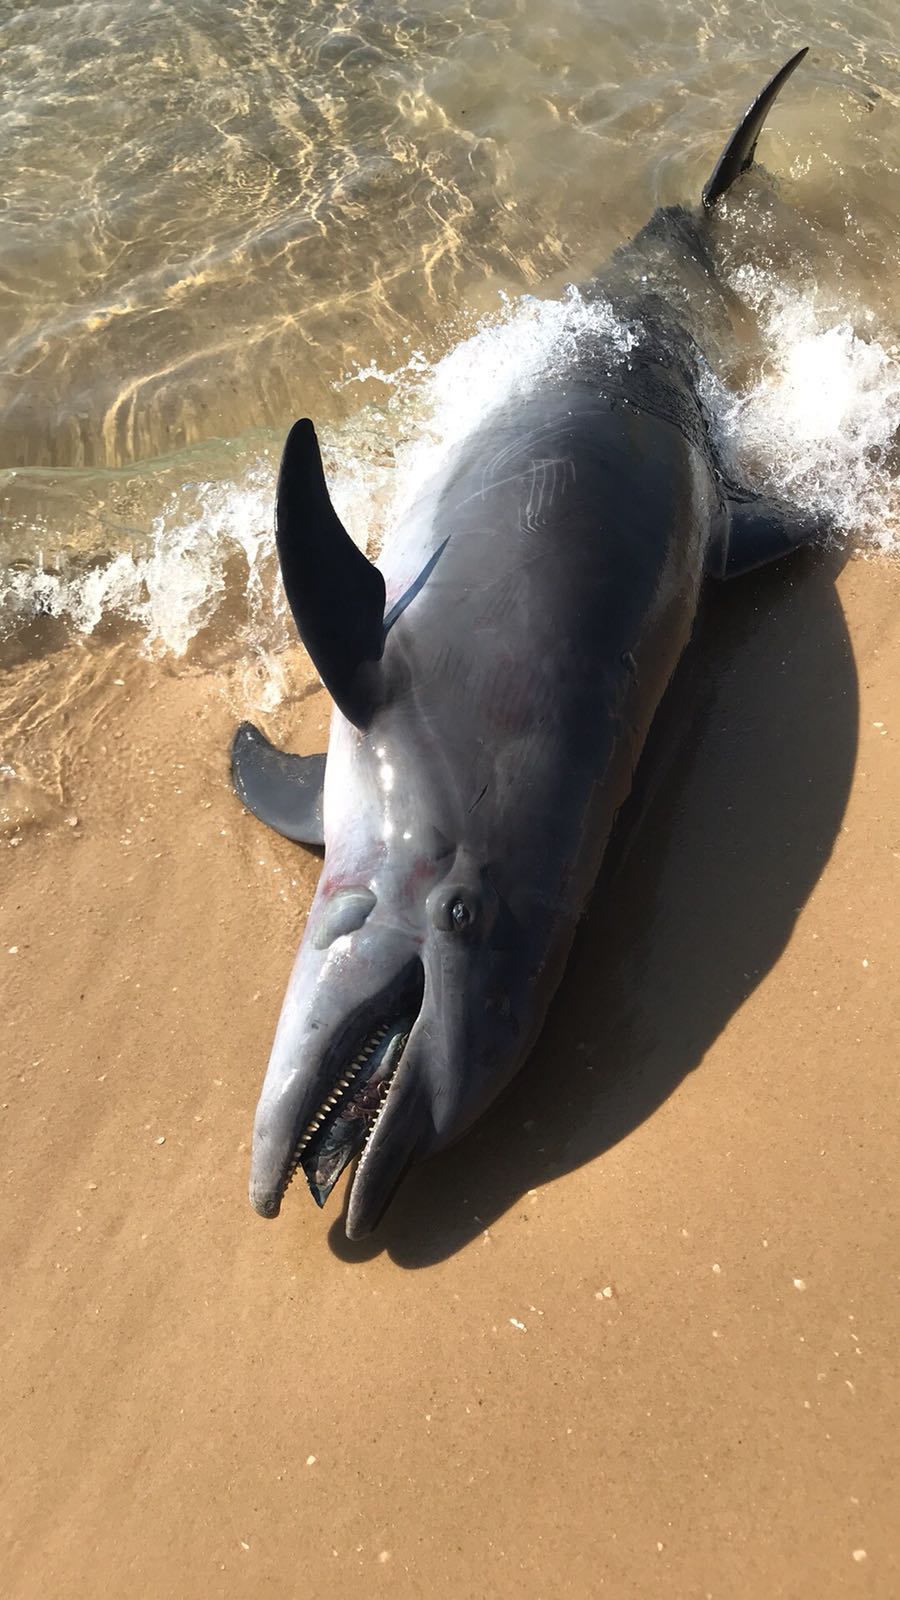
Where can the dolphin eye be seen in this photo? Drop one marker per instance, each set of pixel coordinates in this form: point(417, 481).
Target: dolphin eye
point(344, 913)
point(456, 911)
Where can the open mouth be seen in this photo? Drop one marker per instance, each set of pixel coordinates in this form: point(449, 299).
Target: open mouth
point(346, 1120)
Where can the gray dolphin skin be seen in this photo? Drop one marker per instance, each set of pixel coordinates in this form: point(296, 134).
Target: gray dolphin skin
point(493, 686)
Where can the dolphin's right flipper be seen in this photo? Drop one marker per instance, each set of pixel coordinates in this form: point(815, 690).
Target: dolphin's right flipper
point(284, 791)
point(760, 530)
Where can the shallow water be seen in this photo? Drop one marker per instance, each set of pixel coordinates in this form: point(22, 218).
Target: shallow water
point(220, 216)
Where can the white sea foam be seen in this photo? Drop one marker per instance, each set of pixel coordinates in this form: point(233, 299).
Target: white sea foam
point(820, 424)
point(175, 586)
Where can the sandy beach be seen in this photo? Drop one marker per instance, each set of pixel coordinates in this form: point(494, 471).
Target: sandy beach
point(635, 1335)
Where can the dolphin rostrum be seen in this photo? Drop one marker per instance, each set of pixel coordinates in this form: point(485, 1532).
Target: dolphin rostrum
point(493, 687)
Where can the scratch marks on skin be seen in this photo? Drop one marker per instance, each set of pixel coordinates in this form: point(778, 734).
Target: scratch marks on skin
point(524, 460)
point(544, 479)
point(544, 474)
point(549, 476)
point(518, 449)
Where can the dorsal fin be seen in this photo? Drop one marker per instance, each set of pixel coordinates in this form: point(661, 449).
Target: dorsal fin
point(741, 147)
point(335, 594)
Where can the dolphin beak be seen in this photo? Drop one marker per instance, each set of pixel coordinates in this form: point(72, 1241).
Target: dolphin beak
point(325, 1096)
point(265, 1197)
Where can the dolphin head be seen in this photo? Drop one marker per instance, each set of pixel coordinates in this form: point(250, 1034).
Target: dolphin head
point(418, 989)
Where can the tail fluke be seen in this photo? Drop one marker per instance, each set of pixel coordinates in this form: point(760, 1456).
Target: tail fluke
point(741, 147)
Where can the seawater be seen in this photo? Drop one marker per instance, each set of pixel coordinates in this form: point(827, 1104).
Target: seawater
point(220, 216)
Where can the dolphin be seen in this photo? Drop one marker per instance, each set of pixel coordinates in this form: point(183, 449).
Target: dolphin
point(493, 686)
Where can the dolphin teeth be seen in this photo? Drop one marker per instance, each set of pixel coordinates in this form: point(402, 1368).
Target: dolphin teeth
point(384, 1096)
point(348, 1078)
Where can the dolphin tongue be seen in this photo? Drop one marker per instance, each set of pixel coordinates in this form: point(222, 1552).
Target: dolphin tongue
point(347, 1128)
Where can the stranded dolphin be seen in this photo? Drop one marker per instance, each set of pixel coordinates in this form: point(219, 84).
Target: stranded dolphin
point(493, 689)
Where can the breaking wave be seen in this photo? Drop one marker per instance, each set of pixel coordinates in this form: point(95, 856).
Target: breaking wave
point(818, 421)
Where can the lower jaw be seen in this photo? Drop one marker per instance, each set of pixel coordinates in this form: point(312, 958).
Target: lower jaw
point(346, 1133)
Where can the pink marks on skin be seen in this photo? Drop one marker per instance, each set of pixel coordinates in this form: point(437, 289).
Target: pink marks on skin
point(421, 875)
point(338, 876)
point(406, 890)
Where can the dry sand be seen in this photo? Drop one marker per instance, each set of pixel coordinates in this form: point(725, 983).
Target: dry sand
point(634, 1336)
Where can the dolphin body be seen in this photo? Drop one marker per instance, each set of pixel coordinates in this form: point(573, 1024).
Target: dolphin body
point(493, 690)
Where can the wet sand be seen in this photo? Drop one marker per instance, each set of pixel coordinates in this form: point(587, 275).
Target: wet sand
point(636, 1335)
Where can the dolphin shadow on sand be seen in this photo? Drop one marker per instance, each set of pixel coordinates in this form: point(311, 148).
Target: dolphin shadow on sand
point(738, 801)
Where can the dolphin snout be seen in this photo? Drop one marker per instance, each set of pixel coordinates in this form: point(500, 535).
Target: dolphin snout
point(265, 1197)
point(269, 1160)
point(320, 1106)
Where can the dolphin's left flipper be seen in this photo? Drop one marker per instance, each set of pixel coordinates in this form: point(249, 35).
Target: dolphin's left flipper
point(284, 791)
point(760, 530)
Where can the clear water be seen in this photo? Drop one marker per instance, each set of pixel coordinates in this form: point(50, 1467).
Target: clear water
point(219, 216)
